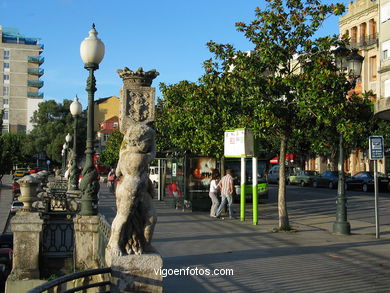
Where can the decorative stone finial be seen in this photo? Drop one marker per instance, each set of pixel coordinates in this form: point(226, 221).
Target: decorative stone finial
point(28, 189)
point(137, 78)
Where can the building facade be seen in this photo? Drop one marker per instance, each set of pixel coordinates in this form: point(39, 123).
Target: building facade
point(20, 63)
point(360, 25)
point(106, 113)
point(106, 128)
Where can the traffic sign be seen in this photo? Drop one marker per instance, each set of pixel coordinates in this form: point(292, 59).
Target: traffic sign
point(376, 147)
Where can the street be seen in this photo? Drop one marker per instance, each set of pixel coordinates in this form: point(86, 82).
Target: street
point(252, 258)
point(309, 260)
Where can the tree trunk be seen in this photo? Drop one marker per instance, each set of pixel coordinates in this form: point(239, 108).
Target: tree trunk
point(282, 207)
point(333, 161)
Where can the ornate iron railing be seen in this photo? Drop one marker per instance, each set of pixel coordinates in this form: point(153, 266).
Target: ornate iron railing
point(104, 236)
point(58, 237)
point(103, 285)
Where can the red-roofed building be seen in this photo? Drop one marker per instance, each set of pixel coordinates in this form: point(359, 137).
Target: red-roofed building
point(105, 129)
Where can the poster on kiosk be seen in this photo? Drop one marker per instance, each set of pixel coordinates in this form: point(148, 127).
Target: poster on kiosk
point(239, 143)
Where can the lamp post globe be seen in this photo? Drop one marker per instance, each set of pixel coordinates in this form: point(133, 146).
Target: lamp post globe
point(92, 48)
point(68, 138)
point(75, 109)
point(92, 53)
point(352, 62)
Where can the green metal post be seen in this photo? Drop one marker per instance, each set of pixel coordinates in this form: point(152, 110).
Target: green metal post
point(242, 191)
point(254, 191)
point(89, 184)
point(341, 226)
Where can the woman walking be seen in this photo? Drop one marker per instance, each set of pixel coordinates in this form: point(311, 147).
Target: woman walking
point(213, 193)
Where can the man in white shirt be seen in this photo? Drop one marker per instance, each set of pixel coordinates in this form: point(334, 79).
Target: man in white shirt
point(227, 188)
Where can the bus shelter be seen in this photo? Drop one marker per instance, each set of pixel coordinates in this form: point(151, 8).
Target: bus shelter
point(185, 180)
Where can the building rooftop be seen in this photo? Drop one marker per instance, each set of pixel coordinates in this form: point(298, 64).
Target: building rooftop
point(13, 36)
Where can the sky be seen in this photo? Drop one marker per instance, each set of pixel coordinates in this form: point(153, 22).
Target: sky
point(167, 35)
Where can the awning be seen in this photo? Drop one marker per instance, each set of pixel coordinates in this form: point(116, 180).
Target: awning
point(289, 158)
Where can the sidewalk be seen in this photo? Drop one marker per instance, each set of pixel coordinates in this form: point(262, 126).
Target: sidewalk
point(5, 201)
point(309, 260)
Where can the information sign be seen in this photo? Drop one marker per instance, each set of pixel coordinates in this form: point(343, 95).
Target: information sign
point(376, 147)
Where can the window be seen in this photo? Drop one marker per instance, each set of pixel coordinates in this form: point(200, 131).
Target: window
point(385, 50)
point(105, 136)
point(6, 65)
point(6, 77)
point(373, 68)
point(5, 101)
point(6, 55)
point(5, 91)
point(5, 128)
point(385, 12)
point(5, 116)
point(115, 124)
point(387, 88)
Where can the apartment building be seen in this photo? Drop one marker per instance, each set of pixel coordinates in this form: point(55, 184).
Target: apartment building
point(360, 24)
point(20, 63)
point(106, 113)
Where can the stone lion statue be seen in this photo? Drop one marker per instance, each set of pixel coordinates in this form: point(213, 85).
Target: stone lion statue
point(133, 225)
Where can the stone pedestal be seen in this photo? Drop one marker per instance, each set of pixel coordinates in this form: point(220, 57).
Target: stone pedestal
point(137, 273)
point(86, 230)
point(27, 228)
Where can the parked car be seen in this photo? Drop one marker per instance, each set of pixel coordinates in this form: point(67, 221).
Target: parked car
point(365, 181)
point(273, 173)
point(15, 188)
point(302, 177)
point(19, 173)
point(6, 240)
point(326, 179)
point(16, 205)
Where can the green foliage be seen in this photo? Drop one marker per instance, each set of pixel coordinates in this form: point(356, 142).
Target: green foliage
point(11, 151)
point(110, 155)
point(52, 122)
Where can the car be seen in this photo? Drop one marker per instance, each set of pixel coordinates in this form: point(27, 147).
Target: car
point(16, 205)
point(6, 240)
point(273, 173)
point(365, 181)
point(302, 177)
point(19, 173)
point(15, 188)
point(326, 179)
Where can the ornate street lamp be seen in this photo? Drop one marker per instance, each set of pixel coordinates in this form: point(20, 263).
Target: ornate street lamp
point(75, 110)
point(92, 53)
point(64, 149)
point(351, 62)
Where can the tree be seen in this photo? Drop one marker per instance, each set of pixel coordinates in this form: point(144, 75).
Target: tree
point(11, 153)
point(269, 79)
point(52, 122)
point(110, 155)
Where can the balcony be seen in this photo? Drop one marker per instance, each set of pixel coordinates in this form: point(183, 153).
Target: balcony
point(364, 41)
point(35, 83)
point(38, 60)
point(34, 95)
point(35, 71)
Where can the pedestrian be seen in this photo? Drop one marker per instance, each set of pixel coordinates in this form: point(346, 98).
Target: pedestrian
point(213, 193)
point(111, 180)
point(227, 189)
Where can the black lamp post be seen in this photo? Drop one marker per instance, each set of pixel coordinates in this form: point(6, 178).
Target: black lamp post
point(352, 62)
point(92, 53)
point(75, 110)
